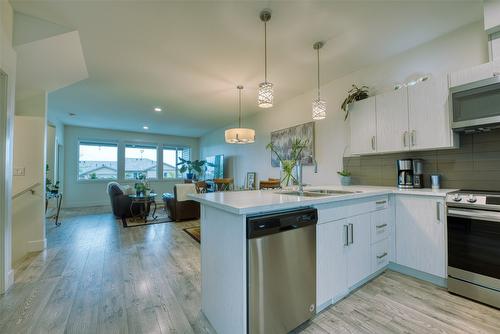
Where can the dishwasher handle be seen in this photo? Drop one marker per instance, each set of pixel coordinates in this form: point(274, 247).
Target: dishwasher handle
point(271, 223)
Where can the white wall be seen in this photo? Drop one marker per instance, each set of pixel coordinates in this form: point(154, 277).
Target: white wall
point(462, 48)
point(91, 193)
point(28, 217)
point(8, 67)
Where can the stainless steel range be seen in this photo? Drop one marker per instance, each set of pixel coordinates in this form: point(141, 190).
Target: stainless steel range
point(474, 245)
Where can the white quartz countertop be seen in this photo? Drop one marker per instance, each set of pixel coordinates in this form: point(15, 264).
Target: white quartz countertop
point(256, 201)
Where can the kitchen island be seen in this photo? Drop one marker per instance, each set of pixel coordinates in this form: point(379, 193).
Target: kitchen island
point(224, 243)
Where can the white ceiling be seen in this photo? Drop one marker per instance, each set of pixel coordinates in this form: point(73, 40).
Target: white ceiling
point(189, 56)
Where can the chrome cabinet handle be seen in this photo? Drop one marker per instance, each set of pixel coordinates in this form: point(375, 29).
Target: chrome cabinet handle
point(346, 235)
point(381, 226)
point(404, 138)
point(382, 256)
point(438, 211)
point(373, 143)
point(351, 234)
point(413, 138)
point(380, 202)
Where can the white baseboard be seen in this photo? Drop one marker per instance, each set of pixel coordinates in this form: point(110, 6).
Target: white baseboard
point(36, 245)
point(10, 279)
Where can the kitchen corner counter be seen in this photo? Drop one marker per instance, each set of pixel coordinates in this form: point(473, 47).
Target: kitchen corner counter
point(257, 201)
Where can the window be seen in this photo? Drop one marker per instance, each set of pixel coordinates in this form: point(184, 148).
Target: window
point(140, 160)
point(97, 161)
point(171, 157)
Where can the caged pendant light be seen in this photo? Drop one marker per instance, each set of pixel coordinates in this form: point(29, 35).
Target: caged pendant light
point(239, 135)
point(318, 105)
point(266, 91)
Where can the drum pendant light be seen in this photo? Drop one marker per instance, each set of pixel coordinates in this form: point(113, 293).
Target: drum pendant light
point(266, 92)
point(318, 105)
point(239, 135)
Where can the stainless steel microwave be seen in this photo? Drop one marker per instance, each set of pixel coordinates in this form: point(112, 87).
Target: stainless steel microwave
point(476, 105)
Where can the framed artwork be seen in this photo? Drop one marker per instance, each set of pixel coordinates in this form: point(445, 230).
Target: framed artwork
point(282, 140)
point(250, 184)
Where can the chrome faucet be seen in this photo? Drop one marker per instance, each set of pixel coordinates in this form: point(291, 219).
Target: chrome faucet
point(299, 174)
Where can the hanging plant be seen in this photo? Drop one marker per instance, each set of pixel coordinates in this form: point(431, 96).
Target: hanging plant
point(354, 94)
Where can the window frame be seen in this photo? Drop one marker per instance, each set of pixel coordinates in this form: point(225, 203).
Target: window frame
point(176, 148)
point(120, 156)
point(144, 145)
point(97, 142)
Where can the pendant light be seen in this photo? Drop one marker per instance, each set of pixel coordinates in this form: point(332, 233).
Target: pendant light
point(266, 91)
point(239, 135)
point(318, 105)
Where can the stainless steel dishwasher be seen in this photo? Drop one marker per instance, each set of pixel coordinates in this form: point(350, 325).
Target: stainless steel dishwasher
point(281, 250)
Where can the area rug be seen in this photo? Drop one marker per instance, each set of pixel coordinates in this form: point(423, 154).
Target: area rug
point(161, 217)
point(194, 232)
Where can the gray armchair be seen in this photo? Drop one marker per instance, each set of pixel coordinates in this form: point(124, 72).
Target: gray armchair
point(120, 203)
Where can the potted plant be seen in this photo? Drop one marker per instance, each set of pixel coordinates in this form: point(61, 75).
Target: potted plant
point(345, 177)
point(142, 187)
point(288, 165)
point(192, 167)
point(354, 94)
point(50, 187)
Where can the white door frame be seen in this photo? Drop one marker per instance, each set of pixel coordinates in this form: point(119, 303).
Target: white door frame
point(6, 142)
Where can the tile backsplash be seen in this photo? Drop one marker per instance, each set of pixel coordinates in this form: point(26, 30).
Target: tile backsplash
point(475, 165)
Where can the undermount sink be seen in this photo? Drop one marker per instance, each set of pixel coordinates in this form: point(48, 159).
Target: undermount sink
point(304, 193)
point(318, 193)
point(332, 192)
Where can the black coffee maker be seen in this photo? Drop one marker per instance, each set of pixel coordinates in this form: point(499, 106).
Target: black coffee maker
point(405, 173)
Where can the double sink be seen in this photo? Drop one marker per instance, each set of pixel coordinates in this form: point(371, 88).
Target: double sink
point(318, 193)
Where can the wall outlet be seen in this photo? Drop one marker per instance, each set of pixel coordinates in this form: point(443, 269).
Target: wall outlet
point(19, 171)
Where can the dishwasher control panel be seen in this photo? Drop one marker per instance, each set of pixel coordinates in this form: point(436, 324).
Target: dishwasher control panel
point(276, 222)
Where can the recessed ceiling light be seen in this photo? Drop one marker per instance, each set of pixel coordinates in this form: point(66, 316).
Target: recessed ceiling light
point(157, 109)
point(145, 127)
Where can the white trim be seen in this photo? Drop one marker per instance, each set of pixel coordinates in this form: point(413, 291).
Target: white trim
point(36, 245)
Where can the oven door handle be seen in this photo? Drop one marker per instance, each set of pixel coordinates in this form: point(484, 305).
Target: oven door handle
point(492, 216)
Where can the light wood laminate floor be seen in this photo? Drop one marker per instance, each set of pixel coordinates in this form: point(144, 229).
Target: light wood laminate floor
point(97, 277)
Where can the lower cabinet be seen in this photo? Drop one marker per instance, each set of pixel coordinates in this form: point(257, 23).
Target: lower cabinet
point(348, 251)
point(358, 248)
point(331, 262)
point(420, 234)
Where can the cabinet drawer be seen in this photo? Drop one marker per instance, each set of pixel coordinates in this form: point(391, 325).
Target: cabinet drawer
point(380, 255)
point(350, 208)
point(380, 225)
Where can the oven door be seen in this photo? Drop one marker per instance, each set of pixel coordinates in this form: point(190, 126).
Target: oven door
point(474, 246)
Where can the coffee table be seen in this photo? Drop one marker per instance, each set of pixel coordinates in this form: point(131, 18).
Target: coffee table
point(145, 202)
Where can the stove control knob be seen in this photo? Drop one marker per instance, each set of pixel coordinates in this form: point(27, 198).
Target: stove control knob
point(471, 199)
point(457, 198)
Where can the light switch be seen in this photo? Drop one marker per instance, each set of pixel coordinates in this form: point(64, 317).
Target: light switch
point(19, 171)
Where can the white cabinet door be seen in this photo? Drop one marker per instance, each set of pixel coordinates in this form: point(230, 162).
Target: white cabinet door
point(363, 126)
point(420, 234)
point(392, 121)
point(359, 250)
point(331, 271)
point(472, 74)
point(429, 114)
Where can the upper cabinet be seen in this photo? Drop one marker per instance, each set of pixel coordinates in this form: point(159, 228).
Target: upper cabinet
point(363, 126)
point(476, 73)
point(392, 121)
point(408, 119)
point(429, 115)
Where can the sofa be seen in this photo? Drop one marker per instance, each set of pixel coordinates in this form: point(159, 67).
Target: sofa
point(120, 202)
point(178, 206)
